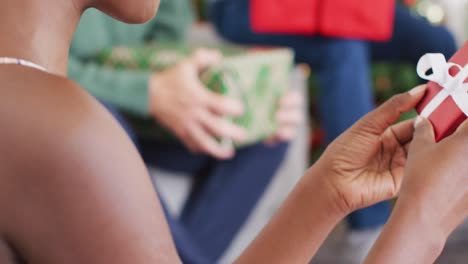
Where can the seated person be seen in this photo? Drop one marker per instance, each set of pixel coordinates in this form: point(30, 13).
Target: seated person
point(176, 98)
point(343, 73)
point(74, 189)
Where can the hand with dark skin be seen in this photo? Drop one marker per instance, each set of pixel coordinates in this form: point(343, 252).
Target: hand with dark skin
point(433, 200)
point(368, 160)
point(363, 166)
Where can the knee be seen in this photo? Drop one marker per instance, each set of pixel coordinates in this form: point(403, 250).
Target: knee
point(345, 53)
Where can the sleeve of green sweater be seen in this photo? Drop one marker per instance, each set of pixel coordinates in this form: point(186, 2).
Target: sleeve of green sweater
point(172, 21)
point(128, 90)
point(125, 89)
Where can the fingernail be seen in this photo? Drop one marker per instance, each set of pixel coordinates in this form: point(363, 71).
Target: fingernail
point(418, 121)
point(417, 89)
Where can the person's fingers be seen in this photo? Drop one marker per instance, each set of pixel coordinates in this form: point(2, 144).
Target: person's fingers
point(203, 58)
point(205, 143)
point(403, 131)
point(393, 183)
point(223, 105)
point(185, 136)
point(190, 144)
point(286, 133)
point(221, 127)
point(462, 132)
point(463, 128)
point(292, 99)
point(423, 133)
point(289, 117)
point(407, 147)
point(271, 141)
point(389, 112)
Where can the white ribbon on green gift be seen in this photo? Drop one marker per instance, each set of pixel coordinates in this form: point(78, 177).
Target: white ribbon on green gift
point(451, 85)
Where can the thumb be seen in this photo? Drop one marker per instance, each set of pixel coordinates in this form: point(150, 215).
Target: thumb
point(389, 112)
point(423, 132)
point(463, 128)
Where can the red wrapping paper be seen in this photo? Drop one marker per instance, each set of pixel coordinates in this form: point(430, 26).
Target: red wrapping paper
point(355, 19)
point(448, 116)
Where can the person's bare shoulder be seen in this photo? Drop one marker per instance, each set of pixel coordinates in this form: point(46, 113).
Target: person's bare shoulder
point(70, 167)
point(43, 113)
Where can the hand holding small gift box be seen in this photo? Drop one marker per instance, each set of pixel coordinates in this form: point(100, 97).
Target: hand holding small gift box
point(446, 101)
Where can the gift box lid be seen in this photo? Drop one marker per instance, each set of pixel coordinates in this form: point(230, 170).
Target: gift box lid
point(448, 116)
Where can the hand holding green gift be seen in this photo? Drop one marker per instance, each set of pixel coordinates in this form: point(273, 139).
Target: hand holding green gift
point(207, 101)
point(195, 114)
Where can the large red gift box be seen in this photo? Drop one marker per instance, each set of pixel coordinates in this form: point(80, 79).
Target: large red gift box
point(284, 16)
point(445, 103)
point(356, 19)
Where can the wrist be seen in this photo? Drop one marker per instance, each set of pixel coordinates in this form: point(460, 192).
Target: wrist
point(319, 186)
point(420, 223)
point(408, 237)
point(428, 208)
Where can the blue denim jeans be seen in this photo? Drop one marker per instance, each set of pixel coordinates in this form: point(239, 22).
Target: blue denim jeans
point(342, 67)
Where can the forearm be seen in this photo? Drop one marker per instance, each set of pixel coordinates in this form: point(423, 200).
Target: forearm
point(299, 228)
point(410, 236)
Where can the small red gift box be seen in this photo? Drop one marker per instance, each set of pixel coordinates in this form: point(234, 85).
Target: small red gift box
point(356, 19)
point(445, 103)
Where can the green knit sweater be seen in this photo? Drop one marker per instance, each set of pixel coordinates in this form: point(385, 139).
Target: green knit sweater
point(127, 90)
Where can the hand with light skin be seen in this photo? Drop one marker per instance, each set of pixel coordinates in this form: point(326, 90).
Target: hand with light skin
point(289, 117)
point(433, 200)
point(196, 115)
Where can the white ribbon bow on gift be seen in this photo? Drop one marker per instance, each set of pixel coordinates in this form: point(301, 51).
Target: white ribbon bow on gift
point(451, 85)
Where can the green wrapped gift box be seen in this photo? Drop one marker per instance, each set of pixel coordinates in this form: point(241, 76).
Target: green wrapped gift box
point(257, 77)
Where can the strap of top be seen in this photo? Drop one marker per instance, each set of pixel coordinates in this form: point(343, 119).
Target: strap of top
point(7, 60)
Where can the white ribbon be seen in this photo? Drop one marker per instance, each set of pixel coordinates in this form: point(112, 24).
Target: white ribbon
point(452, 85)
